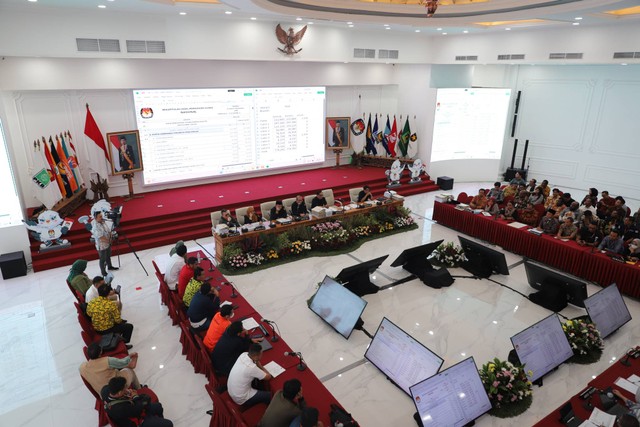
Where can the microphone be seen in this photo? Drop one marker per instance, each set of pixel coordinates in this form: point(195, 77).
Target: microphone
point(274, 336)
point(266, 321)
point(301, 365)
point(233, 290)
point(625, 360)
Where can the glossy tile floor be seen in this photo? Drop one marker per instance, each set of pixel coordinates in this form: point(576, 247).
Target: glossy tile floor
point(41, 348)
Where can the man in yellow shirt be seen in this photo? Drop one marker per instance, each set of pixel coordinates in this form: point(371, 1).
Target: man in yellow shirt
point(105, 316)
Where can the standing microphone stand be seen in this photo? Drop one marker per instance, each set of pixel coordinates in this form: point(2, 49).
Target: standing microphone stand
point(233, 290)
point(301, 365)
point(274, 335)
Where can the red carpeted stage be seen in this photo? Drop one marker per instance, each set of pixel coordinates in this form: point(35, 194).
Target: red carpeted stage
point(164, 217)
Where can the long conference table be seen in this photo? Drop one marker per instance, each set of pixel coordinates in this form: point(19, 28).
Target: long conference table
point(315, 393)
point(221, 241)
point(583, 262)
point(601, 382)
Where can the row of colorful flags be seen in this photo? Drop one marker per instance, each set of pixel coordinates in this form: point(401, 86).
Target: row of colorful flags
point(56, 167)
point(394, 144)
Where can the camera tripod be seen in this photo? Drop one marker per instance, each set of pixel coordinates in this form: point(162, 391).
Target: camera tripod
point(116, 240)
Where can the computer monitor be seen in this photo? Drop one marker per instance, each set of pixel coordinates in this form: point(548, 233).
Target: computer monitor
point(540, 276)
point(452, 398)
point(418, 252)
point(481, 260)
point(356, 277)
point(542, 347)
point(337, 306)
point(607, 310)
point(403, 359)
point(415, 261)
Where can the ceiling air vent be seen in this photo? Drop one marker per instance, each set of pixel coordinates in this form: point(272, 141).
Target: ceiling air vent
point(142, 46)
point(364, 53)
point(565, 56)
point(626, 55)
point(467, 58)
point(387, 54)
point(98, 45)
point(510, 57)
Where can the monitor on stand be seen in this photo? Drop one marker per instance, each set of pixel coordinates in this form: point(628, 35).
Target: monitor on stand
point(356, 277)
point(607, 310)
point(555, 288)
point(481, 260)
point(415, 261)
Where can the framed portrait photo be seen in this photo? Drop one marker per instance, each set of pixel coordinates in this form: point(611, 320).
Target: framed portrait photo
point(337, 133)
point(124, 152)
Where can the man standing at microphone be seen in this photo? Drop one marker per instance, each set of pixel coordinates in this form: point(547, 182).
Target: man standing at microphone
point(102, 236)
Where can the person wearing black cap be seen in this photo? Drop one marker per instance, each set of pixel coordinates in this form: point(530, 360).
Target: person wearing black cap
point(278, 211)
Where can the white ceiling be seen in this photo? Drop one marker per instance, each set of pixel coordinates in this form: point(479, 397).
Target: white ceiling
point(361, 14)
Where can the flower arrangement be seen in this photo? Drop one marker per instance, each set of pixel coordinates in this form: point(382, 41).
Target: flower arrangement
point(403, 221)
point(448, 255)
point(238, 261)
point(325, 227)
point(585, 340)
point(362, 231)
point(271, 254)
point(299, 246)
point(508, 388)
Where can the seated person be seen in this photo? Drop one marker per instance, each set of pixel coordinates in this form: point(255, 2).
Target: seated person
point(592, 196)
point(252, 216)
point(536, 198)
point(633, 251)
point(221, 321)
point(544, 188)
point(308, 418)
point(573, 209)
point(629, 230)
point(204, 305)
point(227, 219)
point(492, 206)
point(533, 183)
point(510, 191)
point(612, 242)
point(479, 201)
point(636, 218)
point(77, 278)
point(551, 200)
point(589, 235)
point(613, 221)
point(528, 215)
point(559, 208)
point(521, 200)
point(285, 406)
point(567, 230)
point(549, 224)
point(99, 369)
point(244, 371)
point(299, 208)
point(604, 204)
point(509, 211)
point(278, 211)
point(319, 200)
point(92, 293)
point(123, 404)
point(193, 286)
point(518, 180)
point(105, 315)
point(587, 206)
point(176, 262)
point(567, 199)
point(633, 406)
point(234, 341)
point(496, 192)
point(364, 195)
point(585, 219)
point(186, 274)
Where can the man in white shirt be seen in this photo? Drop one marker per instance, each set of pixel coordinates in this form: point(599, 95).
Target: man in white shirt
point(102, 236)
point(587, 206)
point(92, 292)
point(176, 262)
point(246, 368)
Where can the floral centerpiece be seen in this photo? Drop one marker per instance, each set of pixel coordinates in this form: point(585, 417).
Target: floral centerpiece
point(508, 388)
point(448, 255)
point(585, 340)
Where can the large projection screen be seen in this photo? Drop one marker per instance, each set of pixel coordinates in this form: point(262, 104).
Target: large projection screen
point(469, 132)
point(188, 134)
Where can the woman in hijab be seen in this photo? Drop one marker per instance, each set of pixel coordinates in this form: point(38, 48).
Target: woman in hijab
point(77, 278)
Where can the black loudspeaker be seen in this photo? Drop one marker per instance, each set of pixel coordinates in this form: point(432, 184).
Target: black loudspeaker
point(13, 265)
point(437, 278)
point(511, 173)
point(551, 297)
point(445, 182)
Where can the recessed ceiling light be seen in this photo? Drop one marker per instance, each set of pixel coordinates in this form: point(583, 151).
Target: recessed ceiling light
point(298, 19)
point(466, 32)
point(578, 18)
point(438, 29)
point(386, 25)
point(183, 13)
point(227, 12)
point(253, 18)
point(101, 6)
point(576, 23)
point(507, 29)
point(309, 23)
point(417, 31)
point(624, 63)
point(33, 1)
point(346, 62)
point(387, 28)
point(444, 34)
point(350, 25)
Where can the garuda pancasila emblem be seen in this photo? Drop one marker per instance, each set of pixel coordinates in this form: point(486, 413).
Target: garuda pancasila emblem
point(290, 39)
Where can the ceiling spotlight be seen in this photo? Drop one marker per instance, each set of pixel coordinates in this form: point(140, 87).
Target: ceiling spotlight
point(386, 25)
point(438, 29)
point(253, 18)
point(183, 13)
point(578, 18)
point(350, 25)
point(101, 6)
point(227, 12)
point(32, 1)
point(309, 23)
point(387, 28)
point(507, 29)
point(466, 32)
point(298, 19)
point(576, 23)
point(417, 31)
point(444, 34)
point(624, 63)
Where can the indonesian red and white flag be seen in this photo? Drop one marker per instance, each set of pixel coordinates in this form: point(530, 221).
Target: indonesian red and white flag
point(96, 151)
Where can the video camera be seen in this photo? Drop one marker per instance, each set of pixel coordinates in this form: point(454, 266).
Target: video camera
point(115, 215)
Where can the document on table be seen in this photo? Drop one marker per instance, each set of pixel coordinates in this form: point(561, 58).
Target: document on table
point(225, 303)
point(634, 379)
point(250, 324)
point(599, 418)
point(626, 385)
point(516, 224)
point(274, 369)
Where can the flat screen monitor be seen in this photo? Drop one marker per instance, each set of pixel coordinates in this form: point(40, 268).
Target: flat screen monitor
point(399, 356)
point(356, 277)
point(542, 347)
point(422, 251)
point(537, 275)
point(607, 310)
point(452, 398)
point(482, 261)
point(337, 306)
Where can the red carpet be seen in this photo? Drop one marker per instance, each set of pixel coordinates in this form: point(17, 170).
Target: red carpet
point(163, 217)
